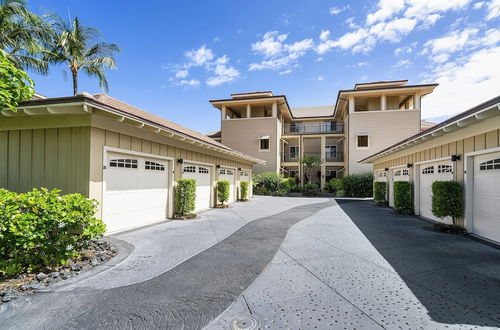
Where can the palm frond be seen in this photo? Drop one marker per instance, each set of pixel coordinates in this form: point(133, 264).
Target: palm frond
point(95, 71)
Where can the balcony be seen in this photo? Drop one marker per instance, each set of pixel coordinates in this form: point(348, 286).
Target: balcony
point(329, 157)
point(317, 128)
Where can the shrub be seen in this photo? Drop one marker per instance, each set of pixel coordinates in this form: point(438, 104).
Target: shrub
point(311, 190)
point(270, 183)
point(380, 192)
point(334, 185)
point(450, 229)
point(222, 191)
point(403, 197)
point(41, 228)
point(185, 196)
point(291, 183)
point(244, 190)
point(447, 199)
point(358, 185)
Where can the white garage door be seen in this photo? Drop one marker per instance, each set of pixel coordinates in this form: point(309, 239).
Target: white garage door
point(381, 176)
point(398, 175)
point(429, 173)
point(203, 188)
point(136, 191)
point(486, 208)
point(245, 176)
point(225, 174)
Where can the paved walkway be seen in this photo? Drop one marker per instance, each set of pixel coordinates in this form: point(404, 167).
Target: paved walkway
point(361, 266)
point(187, 296)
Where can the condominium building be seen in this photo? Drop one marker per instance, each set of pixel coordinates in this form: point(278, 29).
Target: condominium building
point(363, 121)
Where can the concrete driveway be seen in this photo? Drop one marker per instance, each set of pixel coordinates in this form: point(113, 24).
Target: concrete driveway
point(281, 263)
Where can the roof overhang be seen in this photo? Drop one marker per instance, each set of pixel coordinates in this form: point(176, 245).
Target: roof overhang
point(86, 105)
point(477, 114)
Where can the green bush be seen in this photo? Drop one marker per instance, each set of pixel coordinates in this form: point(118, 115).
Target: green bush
point(311, 190)
point(222, 191)
point(41, 228)
point(270, 183)
point(447, 200)
point(291, 183)
point(358, 185)
point(244, 190)
point(403, 197)
point(334, 185)
point(185, 196)
point(380, 192)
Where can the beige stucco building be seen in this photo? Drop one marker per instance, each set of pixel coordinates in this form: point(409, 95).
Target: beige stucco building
point(464, 148)
point(364, 120)
point(125, 158)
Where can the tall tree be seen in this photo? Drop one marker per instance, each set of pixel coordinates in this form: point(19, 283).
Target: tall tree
point(79, 47)
point(23, 36)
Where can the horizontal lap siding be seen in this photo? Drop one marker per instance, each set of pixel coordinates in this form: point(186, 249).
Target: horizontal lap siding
point(45, 157)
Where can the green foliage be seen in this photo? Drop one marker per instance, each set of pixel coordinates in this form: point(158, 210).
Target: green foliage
point(447, 200)
point(79, 47)
point(41, 228)
point(450, 229)
point(403, 197)
point(15, 85)
point(358, 185)
point(311, 190)
point(185, 196)
point(244, 190)
point(270, 183)
point(222, 191)
point(334, 185)
point(291, 184)
point(380, 192)
point(309, 163)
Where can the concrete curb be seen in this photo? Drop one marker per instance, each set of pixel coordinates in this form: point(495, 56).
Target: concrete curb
point(125, 249)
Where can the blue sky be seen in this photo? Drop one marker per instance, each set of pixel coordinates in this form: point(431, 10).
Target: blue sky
point(177, 55)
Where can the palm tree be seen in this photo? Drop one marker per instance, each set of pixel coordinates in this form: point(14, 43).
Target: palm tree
point(23, 36)
point(78, 47)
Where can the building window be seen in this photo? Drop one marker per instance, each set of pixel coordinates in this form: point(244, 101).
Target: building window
point(124, 163)
point(362, 140)
point(264, 143)
point(445, 169)
point(405, 172)
point(428, 170)
point(189, 169)
point(203, 170)
point(222, 171)
point(229, 172)
point(382, 174)
point(397, 173)
point(489, 165)
point(294, 174)
point(243, 173)
point(331, 151)
point(294, 152)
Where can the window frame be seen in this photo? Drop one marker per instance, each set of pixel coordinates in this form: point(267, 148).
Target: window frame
point(296, 153)
point(367, 135)
point(268, 144)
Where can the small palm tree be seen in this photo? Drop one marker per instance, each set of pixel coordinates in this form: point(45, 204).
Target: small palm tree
point(78, 47)
point(23, 36)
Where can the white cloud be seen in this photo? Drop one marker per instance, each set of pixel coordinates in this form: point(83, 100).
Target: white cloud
point(350, 22)
point(405, 49)
point(278, 54)
point(337, 10)
point(223, 72)
point(478, 5)
point(321, 78)
point(386, 9)
point(359, 64)
point(285, 72)
point(477, 74)
point(403, 64)
point(200, 56)
point(325, 35)
point(493, 10)
point(181, 74)
point(420, 9)
point(188, 83)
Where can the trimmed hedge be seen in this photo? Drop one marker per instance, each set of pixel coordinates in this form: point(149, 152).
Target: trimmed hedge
point(380, 192)
point(41, 228)
point(403, 197)
point(447, 200)
point(244, 190)
point(185, 196)
point(222, 191)
point(358, 185)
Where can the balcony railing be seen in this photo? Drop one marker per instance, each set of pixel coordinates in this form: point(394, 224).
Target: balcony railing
point(318, 128)
point(327, 157)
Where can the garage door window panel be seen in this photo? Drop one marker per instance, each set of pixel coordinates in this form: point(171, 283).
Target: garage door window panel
point(428, 170)
point(493, 164)
point(123, 163)
point(153, 166)
point(189, 169)
point(445, 169)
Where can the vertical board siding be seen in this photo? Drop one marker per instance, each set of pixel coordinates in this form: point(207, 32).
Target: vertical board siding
point(50, 158)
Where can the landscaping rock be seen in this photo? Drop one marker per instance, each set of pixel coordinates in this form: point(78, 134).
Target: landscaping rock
point(94, 262)
point(10, 295)
point(41, 276)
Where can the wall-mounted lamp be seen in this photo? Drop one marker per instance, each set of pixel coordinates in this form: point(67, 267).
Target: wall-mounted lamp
point(409, 165)
point(180, 161)
point(239, 168)
point(386, 169)
point(217, 166)
point(454, 158)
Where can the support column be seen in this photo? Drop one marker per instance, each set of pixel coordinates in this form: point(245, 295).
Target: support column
point(223, 112)
point(249, 111)
point(323, 166)
point(351, 104)
point(383, 102)
point(416, 101)
point(275, 109)
point(301, 154)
